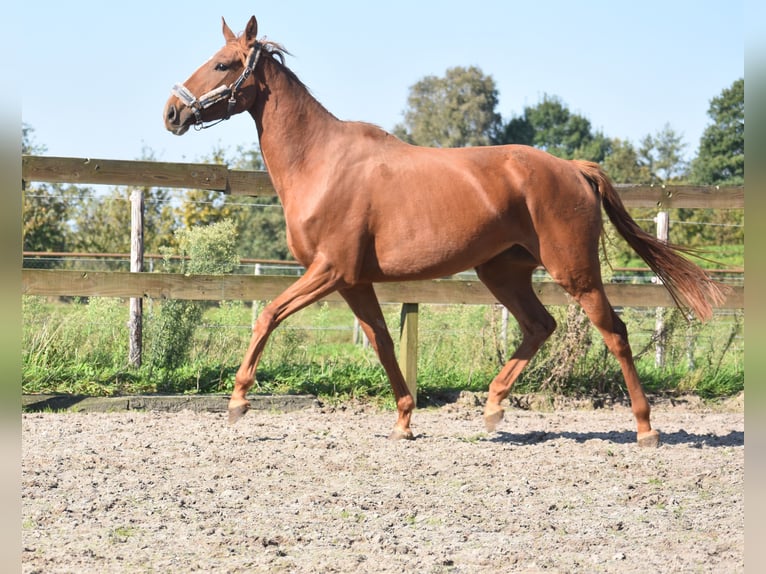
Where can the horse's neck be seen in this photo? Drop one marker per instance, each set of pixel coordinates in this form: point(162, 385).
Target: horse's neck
point(293, 127)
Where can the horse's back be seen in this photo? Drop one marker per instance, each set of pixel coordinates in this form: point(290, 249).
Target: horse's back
point(433, 212)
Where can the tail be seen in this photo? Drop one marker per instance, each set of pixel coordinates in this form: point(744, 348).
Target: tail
point(686, 282)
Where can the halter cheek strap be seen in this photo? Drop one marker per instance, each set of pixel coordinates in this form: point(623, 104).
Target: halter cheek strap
point(220, 93)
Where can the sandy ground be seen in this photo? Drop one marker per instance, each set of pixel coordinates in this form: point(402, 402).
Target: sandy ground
point(323, 490)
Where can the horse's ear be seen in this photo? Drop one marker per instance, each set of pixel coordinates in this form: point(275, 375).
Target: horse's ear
point(251, 31)
point(227, 33)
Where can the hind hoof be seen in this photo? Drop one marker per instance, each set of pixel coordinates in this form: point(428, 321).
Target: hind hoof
point(399, 434)
point(236, 412)
point(491, 420)
point(650, 439)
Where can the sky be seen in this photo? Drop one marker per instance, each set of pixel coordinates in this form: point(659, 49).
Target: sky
point(97, 74)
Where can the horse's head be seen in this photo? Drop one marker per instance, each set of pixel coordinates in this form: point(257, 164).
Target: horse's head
point(221, 87)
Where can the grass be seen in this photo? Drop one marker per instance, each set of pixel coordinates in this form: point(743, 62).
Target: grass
point(81, 347)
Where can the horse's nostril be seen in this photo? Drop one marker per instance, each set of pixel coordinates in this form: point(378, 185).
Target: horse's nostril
point(172, 113)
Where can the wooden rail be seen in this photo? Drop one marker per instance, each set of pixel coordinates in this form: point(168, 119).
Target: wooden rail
point(145, 174)
point(263, 287)
point(257, 183)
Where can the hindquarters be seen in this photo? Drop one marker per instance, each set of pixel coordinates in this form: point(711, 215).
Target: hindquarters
point(565, 204)
point(566, 216)
point(687, 283)
point(566, 210)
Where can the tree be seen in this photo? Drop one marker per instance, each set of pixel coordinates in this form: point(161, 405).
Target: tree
point(721, 156)
point(101, 222)
point(552, 127)
point(204, 206)
point(159, 218)
point(259, 221)
point(45, 208)
point(28, 145)
point(720, 160)
point(662, 153)
point(624, 165)
point(45, 214)
point(457, 110)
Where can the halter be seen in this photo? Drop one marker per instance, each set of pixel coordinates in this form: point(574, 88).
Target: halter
point(218, 94)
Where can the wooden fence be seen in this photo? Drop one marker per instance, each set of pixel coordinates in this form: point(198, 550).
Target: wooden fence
point(257, 183)
point(138, 285)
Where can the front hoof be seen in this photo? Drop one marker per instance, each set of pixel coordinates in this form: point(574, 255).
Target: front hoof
point(399, 434)
point(237, 411)
point(491, 420)
point(649, 439)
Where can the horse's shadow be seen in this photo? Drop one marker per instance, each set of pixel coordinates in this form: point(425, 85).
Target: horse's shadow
point(733, 438)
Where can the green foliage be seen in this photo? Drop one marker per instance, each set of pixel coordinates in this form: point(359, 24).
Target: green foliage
point(259, 221)
point(171, 331)
point(456, 110)
point(80, 347)
point(112, 212)
point(73, 347)
point(721, 156)
point(261, 227)
point(662, 154)
point(210, 250)
point(45, 212)
point(45, 209)
point(28, 143)
point(624, 165)
point(719, 232)
point(79, 219)
point(202, 207)
point(552, 127)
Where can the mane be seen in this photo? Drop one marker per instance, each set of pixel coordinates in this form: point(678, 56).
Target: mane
point(277, 53)
point(275, 50)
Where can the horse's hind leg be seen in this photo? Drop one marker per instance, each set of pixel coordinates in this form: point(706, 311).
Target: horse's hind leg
point(509, 277)
point(595, 303)
point(364, 304)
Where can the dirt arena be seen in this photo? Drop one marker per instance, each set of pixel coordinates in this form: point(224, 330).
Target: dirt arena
point(323, 490)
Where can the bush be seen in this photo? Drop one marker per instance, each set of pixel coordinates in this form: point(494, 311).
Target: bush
point(210, 250)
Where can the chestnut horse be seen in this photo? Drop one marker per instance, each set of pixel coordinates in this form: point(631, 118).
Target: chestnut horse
point(362, 206)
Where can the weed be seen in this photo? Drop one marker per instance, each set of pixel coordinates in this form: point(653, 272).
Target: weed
point(473, 438)
point(121, 534)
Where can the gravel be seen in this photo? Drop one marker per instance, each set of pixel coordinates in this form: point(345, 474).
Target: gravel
point(323, 490)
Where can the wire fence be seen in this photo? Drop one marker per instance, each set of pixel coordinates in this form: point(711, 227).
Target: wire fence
point(121, 262)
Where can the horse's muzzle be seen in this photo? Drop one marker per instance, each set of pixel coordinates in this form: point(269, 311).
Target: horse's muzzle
point(176, 120)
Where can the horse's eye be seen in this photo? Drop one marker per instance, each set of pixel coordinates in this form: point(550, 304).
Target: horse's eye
point(221, 67)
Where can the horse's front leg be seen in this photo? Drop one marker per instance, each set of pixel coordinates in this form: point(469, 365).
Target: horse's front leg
point(317, 282)
point(245, 377)
point(364, 304)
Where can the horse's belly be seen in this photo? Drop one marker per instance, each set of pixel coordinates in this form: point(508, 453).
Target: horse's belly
point(431, 255)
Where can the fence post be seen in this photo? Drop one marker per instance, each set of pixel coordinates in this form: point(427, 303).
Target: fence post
point(663, 222)
point(135, 321)
point(256, 307)
point(359, 338)
point(504, 329)
point(408, 347)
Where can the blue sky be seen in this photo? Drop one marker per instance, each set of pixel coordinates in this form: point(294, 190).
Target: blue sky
point(98, 73)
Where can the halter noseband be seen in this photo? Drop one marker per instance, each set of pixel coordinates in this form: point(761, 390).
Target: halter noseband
point(218, 94)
